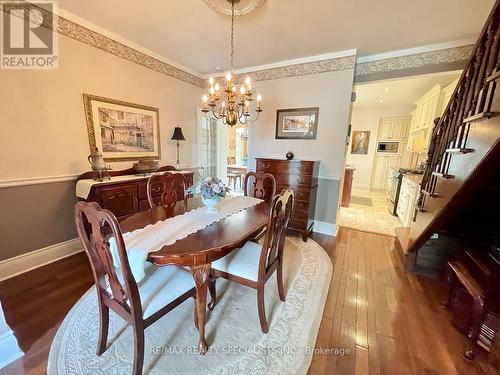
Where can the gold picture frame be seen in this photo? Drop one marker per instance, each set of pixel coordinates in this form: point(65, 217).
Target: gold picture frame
point(122, 131)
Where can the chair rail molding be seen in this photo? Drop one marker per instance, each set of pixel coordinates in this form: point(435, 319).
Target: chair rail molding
point(36, 180)
point(26, 262)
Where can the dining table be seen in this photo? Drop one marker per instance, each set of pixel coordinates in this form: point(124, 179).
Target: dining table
point(199, 249)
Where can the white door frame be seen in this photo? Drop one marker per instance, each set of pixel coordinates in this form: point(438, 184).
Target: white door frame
point(221, 146)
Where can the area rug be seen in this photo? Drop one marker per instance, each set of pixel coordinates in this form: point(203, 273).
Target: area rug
point(237, 345)
point(363, 201)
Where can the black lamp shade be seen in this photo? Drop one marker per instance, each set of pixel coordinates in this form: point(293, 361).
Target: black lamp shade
point(178, 136)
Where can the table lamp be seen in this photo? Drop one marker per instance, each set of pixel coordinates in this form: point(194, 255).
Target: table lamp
point(178, 136)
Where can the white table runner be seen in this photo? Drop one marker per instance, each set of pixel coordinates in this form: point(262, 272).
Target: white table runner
point(141, 242)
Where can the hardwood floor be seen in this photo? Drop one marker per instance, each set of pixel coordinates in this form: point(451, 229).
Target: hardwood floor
point(35, 304)
point(389, 320)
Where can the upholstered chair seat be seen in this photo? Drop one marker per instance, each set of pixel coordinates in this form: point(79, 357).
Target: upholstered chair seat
point(160, 286)
point(253, 264)
point(243, 262)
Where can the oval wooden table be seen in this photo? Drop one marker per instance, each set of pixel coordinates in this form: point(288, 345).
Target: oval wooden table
point(200, 249)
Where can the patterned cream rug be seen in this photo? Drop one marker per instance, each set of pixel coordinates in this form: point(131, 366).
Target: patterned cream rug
point(237, 345)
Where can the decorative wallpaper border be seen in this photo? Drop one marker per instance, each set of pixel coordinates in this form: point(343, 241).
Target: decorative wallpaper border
point(418, 60)
point(315, 67)
point(92, 38)
point(82, 34)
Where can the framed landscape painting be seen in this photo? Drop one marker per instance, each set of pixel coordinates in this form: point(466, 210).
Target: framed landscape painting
point(297, 123)
point(122, 131)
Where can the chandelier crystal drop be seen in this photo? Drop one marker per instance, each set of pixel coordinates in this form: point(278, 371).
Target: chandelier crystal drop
point(229, 103)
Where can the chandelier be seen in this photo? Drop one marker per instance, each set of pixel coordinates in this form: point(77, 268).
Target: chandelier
point(231, 104)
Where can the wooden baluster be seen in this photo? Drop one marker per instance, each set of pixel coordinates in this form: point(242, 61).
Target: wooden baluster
point(476, 68)
point(427, 177)
point(481, 79)
point(457, 142)
point(493, 42)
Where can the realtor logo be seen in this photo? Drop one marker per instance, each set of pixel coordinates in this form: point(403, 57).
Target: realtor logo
point(27, 37)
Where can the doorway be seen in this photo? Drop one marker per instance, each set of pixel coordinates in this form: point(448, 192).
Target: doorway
point(391, 125)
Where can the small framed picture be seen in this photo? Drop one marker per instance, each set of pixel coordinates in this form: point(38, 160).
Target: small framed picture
point(360, 142)
point(297, 123)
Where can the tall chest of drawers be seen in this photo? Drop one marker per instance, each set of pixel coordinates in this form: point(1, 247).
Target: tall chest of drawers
point(302, 177)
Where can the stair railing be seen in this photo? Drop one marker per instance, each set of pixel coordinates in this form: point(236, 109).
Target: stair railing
point(470, 102)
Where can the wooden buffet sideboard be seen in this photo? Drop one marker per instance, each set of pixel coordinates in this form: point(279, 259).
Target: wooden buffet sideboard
point(302, 177)
point(125, 193)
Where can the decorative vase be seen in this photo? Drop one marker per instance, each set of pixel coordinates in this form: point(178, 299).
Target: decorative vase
point(289, 155)
point(211, 203)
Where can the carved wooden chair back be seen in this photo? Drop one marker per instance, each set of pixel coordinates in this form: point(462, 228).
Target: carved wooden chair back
point(274, 240)
point(263, 185)
point(172, 184)
point(119, 293)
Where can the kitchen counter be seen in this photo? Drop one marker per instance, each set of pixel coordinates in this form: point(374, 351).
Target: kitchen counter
point(415, 178)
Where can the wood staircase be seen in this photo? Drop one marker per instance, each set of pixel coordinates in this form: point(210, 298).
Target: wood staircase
point(465, 149)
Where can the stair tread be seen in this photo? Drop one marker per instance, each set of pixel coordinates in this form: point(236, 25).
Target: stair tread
point(478, 116)
point(429, 194)
point(443, 175)
point(459, 150)
point(494, 76)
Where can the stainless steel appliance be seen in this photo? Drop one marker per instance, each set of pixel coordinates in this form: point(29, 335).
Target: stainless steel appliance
point(394, 188)
point(388, 147)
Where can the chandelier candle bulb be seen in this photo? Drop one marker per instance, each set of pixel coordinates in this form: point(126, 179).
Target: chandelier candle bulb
point(211, 81)
point(228, 76)
point(247, 81)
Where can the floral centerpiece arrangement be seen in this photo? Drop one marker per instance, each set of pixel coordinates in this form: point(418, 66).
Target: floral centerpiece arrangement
point(211, 190)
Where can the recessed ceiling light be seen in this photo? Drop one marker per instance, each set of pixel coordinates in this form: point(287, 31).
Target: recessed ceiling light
point(386, 89)
point(381, 101)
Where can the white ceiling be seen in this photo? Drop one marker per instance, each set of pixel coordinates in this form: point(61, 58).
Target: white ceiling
point(399, 92)
point(195, 36)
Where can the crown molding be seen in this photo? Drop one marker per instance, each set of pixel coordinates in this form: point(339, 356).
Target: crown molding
point(284, 63)
point(103, 31)
point(86, 32)
point(416, 50)
point(115, 45)
point(414, 61)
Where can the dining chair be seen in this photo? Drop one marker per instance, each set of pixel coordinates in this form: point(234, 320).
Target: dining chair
point(263, 185)
point(171, 185)
point(139, 304)
point(253, 264)
point(166, 168)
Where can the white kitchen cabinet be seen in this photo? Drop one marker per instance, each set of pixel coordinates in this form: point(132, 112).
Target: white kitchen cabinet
point(408, 196)
point(429, 106)
point(381, 167)
point(393, 128)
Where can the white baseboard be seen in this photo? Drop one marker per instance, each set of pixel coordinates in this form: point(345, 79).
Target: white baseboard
point(325, 228)
point(26, 262)
point(9, 350)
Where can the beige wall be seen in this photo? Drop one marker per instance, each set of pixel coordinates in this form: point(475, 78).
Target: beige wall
point(368, 119)
point(43, 110)
point(45, 134)
point(331, 92)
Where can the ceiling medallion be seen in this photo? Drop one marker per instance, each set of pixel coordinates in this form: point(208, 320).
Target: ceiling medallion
point(228, 103)
point(242, 7)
